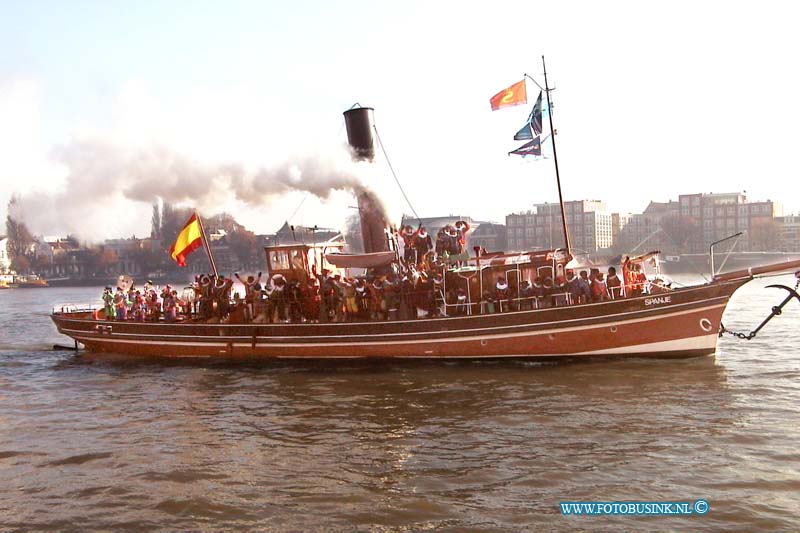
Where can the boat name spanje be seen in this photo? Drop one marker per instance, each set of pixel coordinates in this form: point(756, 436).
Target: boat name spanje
point(658, 300)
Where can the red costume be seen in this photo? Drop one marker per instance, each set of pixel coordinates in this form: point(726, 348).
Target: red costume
point(463, 229)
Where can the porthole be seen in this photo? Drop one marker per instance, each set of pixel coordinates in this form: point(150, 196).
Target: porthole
point(705, 324)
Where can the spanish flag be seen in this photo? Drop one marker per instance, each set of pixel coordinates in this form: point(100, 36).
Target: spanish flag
point(513, 95)
point(189, 239)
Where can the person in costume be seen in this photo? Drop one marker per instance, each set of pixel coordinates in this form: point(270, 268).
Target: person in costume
point(502, 293)
point(525, 295)
point(462, 227)
point(311, 300)
point(634, 277)
point(108, 303)
point(409, 252)
point(251, 286)
point(206, 299)
point(330, 298)
point(599, 288)
point(445, 243)
point(548, 290)
point(376, 302)
point(294, 299)
point(584, 288)
point(121, 304)
point(170, 306)
point(614, 284)
point(362, 299)
point(572, 286)
point(423, 244)
point(153, 306)
point(278, 297)
point(139, 307)
point(222, 295)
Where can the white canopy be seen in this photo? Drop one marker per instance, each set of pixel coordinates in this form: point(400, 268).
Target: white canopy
point(371, 260)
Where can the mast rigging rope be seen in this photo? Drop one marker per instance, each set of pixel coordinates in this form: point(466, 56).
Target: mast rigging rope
point(383, 149)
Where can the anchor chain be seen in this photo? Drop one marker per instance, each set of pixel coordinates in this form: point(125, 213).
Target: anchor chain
point(738, 334)
point(776, 310)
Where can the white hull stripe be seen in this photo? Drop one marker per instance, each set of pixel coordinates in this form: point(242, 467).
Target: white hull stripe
point(703, 342)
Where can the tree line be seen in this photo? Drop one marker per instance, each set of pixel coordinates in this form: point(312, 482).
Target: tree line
point(150, 254)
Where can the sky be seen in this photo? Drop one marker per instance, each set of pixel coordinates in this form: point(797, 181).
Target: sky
point(107, 106)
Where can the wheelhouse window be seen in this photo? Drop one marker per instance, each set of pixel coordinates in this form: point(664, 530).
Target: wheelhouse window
point(279, 260)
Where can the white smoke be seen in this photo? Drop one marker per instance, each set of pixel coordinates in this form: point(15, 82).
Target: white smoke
point(208, 151)
point(105, 184)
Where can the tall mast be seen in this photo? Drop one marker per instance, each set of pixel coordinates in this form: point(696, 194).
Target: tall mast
point(555, 160)
point(206, 245)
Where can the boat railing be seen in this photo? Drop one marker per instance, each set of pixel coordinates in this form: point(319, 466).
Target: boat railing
point(526, 303)
point(711, 252)
point(67, 308)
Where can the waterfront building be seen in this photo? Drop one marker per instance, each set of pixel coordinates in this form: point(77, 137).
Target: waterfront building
point(789, 233)
point(722, 214)
point(590, 226)
point(651, 229)
point(618, 223)
point(5, 260)
point(490, 236)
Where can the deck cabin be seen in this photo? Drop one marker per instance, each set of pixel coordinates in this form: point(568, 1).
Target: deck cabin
point(475, 276)
point(297, 262)
point(480, 274)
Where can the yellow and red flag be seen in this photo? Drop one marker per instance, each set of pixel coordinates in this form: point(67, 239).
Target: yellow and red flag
point(513, 95)
point(189, 239)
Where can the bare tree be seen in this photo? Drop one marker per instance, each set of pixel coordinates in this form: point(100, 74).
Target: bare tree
point(681, 231)
point(244, 245)
point(21, 264)
point(19, 238)
point(155, 222)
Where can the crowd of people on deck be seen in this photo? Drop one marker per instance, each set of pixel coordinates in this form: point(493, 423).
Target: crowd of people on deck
point(450, 245)
point(415, 289)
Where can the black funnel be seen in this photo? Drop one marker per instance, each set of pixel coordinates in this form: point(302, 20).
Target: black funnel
point(373, 222)
point(359, 122)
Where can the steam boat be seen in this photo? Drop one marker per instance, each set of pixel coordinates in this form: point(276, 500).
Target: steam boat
point(680, 323)
point(664, 322)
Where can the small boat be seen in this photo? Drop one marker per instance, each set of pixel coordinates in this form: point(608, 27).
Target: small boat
point(652, 321)
point(31, 281)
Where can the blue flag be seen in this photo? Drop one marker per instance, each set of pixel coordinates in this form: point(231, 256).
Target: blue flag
point(535, 120)
point(531, 148)
point(534, 123)
point(525, 134)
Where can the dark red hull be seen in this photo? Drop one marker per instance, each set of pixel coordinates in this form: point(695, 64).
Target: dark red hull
point(680, 323)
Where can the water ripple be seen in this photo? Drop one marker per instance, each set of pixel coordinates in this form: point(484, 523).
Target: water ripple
point(385, 446)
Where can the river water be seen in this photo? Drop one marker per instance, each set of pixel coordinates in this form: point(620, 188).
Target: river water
point(395, 445)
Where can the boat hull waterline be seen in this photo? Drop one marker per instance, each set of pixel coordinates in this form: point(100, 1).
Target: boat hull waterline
point(681, 323)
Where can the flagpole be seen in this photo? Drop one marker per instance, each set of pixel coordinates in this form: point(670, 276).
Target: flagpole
point(555, 160)
point(206, 245)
